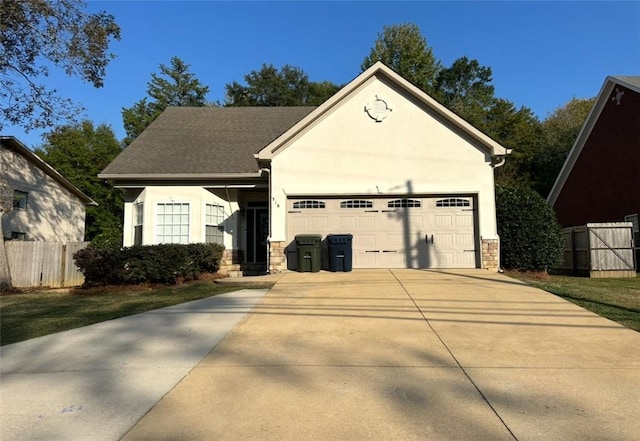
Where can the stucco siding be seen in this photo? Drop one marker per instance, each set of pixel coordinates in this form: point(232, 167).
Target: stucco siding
point(412, 150)
point(196, 198)
point(52, 212)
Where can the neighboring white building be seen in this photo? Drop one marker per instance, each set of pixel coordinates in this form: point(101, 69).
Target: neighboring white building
point(381, 160)
point(46, 206)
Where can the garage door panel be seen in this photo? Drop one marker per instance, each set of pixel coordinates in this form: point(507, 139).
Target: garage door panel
point(444, 220)
point(348, 222)
point(391, 232)
point(364, 240)
point(464, 240)
point(464, 220)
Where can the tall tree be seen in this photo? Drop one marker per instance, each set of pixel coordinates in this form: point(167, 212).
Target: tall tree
point(404, 49)
point(465, 88)
point(269, 86)
point(518, 129)
point(559, 132)
point(38, 34)
point(79, 152)
point(174, 86)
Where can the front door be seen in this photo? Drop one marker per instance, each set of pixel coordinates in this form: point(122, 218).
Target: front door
point(257, 234)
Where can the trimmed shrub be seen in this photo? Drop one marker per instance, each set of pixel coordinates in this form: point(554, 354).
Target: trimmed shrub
point(164, 263)
point(530, 236)
point(99, 265)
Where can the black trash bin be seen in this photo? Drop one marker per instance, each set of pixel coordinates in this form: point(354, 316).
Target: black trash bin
point(340, 252)
point(309, 255)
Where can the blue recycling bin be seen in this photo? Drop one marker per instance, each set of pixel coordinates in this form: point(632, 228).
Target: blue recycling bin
point(340, 252)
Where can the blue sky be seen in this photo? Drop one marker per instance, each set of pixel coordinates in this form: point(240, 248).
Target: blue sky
point(542, 53)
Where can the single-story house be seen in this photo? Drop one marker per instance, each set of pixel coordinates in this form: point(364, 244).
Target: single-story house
point(381, 160)
point(600, 179)
point(46, 206)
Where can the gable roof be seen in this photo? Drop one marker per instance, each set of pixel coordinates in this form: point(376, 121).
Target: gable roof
point(203, 142)
point(380, 70)
point(629, 82)
point(12, 143)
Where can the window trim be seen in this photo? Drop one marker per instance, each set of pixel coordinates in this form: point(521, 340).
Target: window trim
point(309, 204)
point(156, 224)
point(404, 203)
point(453, 203)
point(138, 221)
point(220, 226)
point(348, 204)
point(18, 197)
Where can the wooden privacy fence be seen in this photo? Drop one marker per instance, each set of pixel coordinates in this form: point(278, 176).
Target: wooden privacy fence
point(43, 264)
point(599, 250)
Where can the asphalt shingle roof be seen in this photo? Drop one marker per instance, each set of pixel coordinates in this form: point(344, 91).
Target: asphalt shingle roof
point(207, 140)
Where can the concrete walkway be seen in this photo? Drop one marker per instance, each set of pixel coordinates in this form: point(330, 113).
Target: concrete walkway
point(409, 355)
point(95, 383)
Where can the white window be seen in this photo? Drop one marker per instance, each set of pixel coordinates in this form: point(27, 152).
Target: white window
point(453, 202)
point(356, 203)
point(172, 222)
point(308, 204)
point(404, 203)
point(214, 218)
point(20, 200)
point(139, 220)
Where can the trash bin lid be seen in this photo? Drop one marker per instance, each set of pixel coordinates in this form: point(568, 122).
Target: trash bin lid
point(308, 239)
point(339, 238)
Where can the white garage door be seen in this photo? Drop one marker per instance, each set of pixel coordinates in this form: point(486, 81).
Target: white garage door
point(402, 232)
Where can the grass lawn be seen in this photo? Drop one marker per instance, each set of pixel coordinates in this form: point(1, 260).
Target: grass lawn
point(29, 315)
point(615, 299)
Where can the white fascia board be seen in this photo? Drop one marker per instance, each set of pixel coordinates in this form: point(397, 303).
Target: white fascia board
point(363, 79)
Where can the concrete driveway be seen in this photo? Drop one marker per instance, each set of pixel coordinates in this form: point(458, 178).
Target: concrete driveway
point(409, 355)
point(370, 354)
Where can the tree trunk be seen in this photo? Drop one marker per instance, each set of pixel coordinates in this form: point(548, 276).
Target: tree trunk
point(5, 274)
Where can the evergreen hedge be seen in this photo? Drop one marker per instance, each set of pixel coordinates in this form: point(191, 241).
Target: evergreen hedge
point(530, 235)
point(164, 263)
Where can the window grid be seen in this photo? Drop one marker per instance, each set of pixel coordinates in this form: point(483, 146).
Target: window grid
point(172, 223)
point(214, 229)
point(20, 200)
point(137, 227)
point(356, 203)
point(309, 204)
point(404, 203)
point(453, 202)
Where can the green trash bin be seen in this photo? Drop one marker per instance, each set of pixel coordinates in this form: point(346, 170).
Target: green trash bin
point(309, 255)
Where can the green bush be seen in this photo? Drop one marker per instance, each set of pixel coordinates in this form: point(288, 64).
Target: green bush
point(164, 263)
point(530, 236)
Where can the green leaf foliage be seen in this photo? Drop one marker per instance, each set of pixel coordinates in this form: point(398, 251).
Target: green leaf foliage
point(287, 86)
point(530, 236)
point(560, 131)
point(79, 152)
point(465, 88)
point(403, 48)
point(38, 34)
point(173, 86)
point(165, 263)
